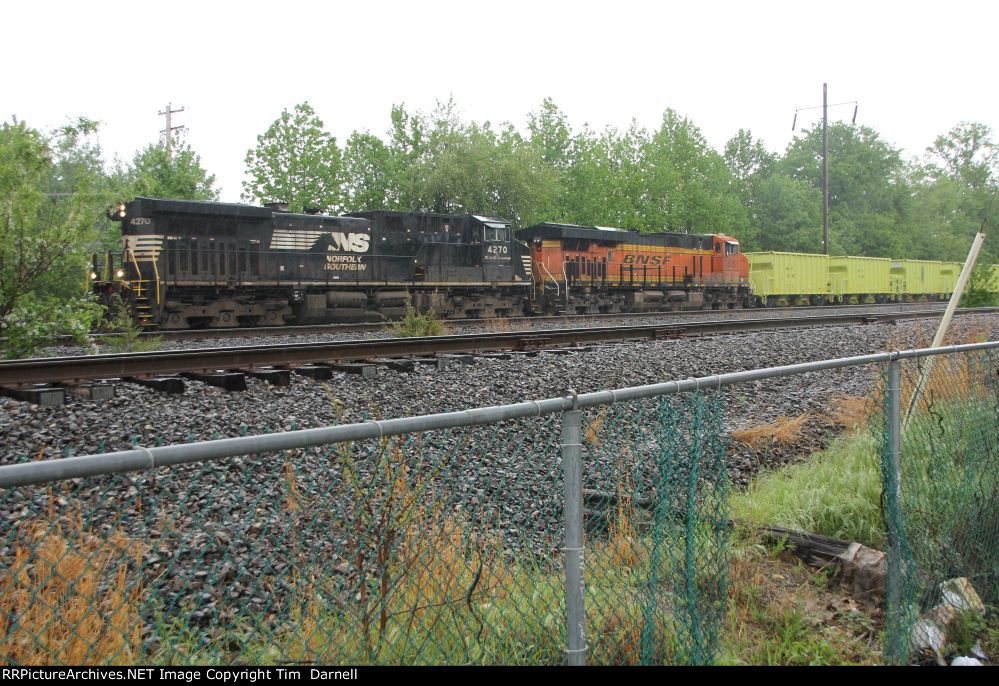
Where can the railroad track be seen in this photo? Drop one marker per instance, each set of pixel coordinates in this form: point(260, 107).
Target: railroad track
point(308, 330)
point(226, 366)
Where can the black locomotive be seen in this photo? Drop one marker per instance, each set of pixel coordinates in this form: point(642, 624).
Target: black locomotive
point(187, 264)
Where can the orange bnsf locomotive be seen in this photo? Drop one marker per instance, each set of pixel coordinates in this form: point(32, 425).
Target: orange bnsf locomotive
point(590, 269)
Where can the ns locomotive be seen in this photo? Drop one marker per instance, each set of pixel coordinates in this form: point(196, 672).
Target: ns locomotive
point(190, 264)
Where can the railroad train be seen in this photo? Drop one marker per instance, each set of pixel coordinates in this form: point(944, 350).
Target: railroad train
point(785, 279)
point(194, 264)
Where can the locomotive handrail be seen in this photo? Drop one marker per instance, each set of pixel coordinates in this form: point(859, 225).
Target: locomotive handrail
point(566, 277)
point(554, 280)
point(156, 276)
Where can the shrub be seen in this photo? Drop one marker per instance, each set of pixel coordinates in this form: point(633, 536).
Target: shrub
point(415, 324)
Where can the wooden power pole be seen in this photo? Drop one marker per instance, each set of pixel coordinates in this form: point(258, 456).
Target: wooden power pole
point(168, 131)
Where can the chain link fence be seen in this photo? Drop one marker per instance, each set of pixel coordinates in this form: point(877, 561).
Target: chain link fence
point(590, 529)
point(438, 547)
point(940, 467)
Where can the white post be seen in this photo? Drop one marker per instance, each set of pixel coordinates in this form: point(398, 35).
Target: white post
point(938, 340)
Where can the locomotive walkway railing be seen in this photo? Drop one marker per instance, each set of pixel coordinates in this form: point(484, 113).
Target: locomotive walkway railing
point(424, 540)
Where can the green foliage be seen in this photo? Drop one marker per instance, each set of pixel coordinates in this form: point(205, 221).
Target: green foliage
point(50, 208)
point(37, 322)
point(981, 289)
point(836, 493)
point(415, 324)
point(795, 643)
point(298, 162)
point(180, 176)
point(446, 165)
point(967, 628)
point(129, 338)
point(967, 154)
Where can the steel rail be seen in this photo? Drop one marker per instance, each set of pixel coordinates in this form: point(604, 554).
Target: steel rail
point(16, 373)
point(142, 458)
point(310, 329)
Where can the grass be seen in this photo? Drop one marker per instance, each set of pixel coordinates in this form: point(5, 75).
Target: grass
point(783, 431)
point(783, 613)
point(68, 597)
point(128, 336)
point(836, 493)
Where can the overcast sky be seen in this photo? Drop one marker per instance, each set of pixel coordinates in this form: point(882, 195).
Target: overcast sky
point(917, 68)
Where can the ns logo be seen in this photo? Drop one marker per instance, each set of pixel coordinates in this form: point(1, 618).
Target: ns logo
point(349, 242)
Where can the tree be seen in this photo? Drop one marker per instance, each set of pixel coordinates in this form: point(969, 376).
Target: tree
point(368, 166)
point(605, 184)
point(689, 188)
point(442, 164)
point(869, 188)
point(954, 195)
point(966, 153)
point(45, 236)
point(551, 135)
point(748, 158)
point(179, 176)
point(296, 161)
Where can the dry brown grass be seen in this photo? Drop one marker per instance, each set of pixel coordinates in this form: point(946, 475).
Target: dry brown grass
point(498, 325)
point(784, 613)
point(782, 431)
point(68, 598)
point(591, 434)
point(850, 411)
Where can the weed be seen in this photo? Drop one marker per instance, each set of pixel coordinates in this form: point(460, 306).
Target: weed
point(415, 325)
point(129, 338)
point(68, 597)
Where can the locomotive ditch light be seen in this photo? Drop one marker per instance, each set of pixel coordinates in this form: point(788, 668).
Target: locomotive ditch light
point(120, 273)
point(93, 276)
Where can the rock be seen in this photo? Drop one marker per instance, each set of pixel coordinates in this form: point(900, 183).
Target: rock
point(963, 661)
point(863, 570)
point(930, 632)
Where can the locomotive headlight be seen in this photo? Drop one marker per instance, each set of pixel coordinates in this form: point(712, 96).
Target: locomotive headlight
point(116, 212)
point(120, 273)
point(93, 276)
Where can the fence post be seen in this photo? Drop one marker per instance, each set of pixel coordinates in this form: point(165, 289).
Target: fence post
point(894, 392)
point(895, 639)
point(572, 479)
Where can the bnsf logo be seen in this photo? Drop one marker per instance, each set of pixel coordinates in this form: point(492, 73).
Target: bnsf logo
point(349, 242)
point(651, 260)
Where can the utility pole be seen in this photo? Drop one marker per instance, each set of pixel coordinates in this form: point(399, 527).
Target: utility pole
point(825, 155)
point(825, 168)
point(168, 131)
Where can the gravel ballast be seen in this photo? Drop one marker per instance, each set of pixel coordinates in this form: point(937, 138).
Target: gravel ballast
point(219, 538)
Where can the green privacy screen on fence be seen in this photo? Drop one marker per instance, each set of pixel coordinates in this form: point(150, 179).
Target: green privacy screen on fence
point(941, 502)
point(444, 547)
point(597, 535)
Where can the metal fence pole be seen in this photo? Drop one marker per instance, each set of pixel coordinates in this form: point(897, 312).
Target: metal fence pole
point(572, 478)
point(894, 581)
point(894, 392)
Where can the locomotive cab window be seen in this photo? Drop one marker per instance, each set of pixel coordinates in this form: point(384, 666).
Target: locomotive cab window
point(731, 248)
point(496, 233)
